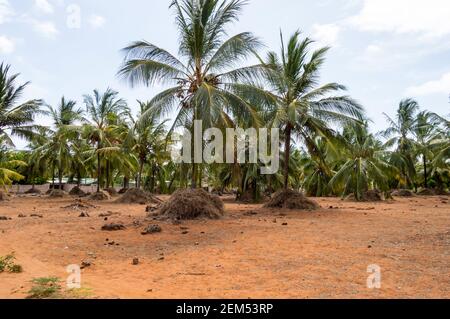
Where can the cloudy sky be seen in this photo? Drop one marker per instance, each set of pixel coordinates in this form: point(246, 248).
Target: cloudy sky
point(382, 50)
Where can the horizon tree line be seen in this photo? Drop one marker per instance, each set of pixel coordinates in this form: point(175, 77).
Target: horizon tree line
point(327, 145)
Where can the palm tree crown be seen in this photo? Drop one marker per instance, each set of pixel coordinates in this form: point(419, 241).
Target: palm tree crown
point(208, 84)
point(302, 106)
point(14, 117)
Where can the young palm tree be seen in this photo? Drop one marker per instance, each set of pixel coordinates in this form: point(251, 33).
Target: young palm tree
point(146, 141)
point(103, 110)
point(365, 164)
point(302, 107)
point(400, 134)
point(15, 118)
point(38, 162)
point(79, 162)
point(58, 147)
point(426, 133)
point(318, 168)
point(8, 167)
point(206, 85)
point(442, 144)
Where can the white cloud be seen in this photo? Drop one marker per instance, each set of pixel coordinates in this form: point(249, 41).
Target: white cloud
point(43, 6)
point(45, 28)
point(441, 85)
point(97, 21)
point(326, 34)
point(427, 18)
point(7, 45)
point(6, 11)
point(374, 50)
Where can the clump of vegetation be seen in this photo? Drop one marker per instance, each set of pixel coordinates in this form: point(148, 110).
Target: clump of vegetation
point(51, 288)
point(7, 263)
point(45, 288)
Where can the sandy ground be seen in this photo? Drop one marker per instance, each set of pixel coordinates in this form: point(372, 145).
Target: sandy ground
point(324, 254)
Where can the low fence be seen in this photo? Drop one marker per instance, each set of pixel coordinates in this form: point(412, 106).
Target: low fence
point(21, 189)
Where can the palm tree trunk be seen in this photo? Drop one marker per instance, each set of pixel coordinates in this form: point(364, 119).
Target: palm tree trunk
point(141, 168)
point(108, 181)
point(171, 183)
point(60, 177)
point(98, 168)
point(153, 179)
point(425, 173)
point(53, 176)
point(200, 175)
point(194, 176)
point(194, 165)
point(78, 178)
point(287, 154)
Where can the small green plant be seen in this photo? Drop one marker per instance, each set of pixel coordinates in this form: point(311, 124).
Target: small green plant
point(45, 288)
point(80, 293)
point(16, 269)
point(7, 264)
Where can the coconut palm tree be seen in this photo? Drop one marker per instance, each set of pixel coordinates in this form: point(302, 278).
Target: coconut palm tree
point(38, 163)
point(426, 132)
point(442, 144)
point(80, 158)
point(104, 110)
point(303, 107)
point(15, 119)
point(207, 83)
point(8, 167)
point(318, 168)
point(58, 147)
point(146, 141)
point(400, 134)
point(366, 163)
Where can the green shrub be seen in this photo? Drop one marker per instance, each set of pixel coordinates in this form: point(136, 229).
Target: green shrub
point(45, 288)
point(7, 264)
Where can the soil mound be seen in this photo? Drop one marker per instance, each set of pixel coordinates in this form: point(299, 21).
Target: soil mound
point(427, 192)
point(79, 205)
point(33, 191)
point(57, 193)
point(248, 197)
point(403, 193)
point(123, 190)
point(111, 191)
point(100, 196)
point(188, 204)
point(137, 196)
point(374, 196)
point(369, 196)
point(433, 192)
point(291, 199)
point(77, 191)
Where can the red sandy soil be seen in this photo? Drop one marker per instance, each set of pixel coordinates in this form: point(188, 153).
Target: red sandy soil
point(324, 254)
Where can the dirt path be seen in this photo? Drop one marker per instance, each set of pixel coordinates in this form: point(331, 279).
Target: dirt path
point(316, 255)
